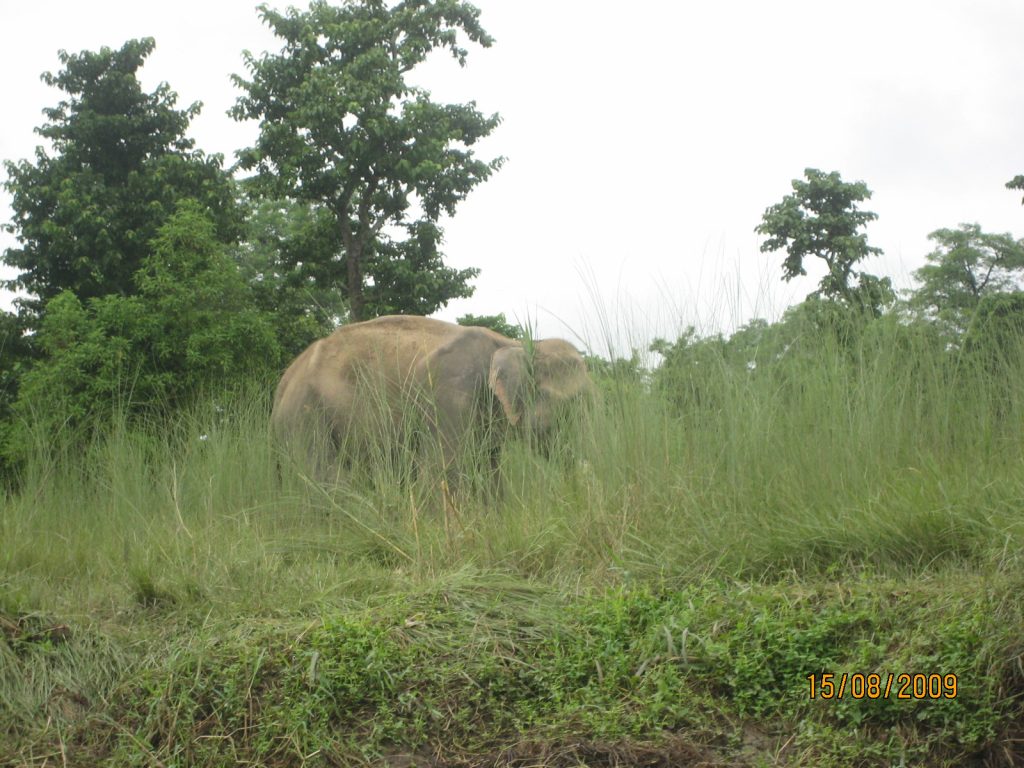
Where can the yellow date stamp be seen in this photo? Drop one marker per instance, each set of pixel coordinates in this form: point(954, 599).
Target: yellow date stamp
point(904, 685)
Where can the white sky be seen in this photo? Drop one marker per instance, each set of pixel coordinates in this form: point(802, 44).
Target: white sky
point(643, 145)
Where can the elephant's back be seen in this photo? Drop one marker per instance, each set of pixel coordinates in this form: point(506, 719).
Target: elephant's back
point(383, 351)
point(396, 340)
point(395, 331)
point(389, 343)
point(387, 347)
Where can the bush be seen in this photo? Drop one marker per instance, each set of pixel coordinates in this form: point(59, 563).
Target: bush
point(193, 323)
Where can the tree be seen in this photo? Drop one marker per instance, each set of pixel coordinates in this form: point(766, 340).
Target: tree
point(283, 255)
point(15, 358)
point(342, 129)
point(206, 326)
point(409, 276)
point(287, 257)
point(84, 216)
point(966, 265)
point(191, 322)
point(821, 219)
point(1017, 182)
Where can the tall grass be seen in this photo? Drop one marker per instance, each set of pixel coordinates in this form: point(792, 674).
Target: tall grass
point(885, 451)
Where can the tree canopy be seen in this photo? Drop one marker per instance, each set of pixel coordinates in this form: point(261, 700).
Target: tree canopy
point(967, 265)
point(191, 322)
point(821, 218)
point(1017, 182)
point(341, 128)
point(85, 212)
point(286, 247)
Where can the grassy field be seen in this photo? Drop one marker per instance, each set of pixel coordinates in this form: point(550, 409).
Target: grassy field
point(658, 595)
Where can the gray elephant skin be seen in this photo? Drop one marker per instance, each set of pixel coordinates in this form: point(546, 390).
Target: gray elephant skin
point(388, 378)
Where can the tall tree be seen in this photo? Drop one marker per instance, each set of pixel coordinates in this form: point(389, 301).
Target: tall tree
point(967, 265)
point(821, 219)
point(85, 214)
point(1017, 182)
point(340, 127)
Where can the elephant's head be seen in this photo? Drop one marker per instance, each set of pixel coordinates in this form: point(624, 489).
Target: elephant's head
point(536, 384)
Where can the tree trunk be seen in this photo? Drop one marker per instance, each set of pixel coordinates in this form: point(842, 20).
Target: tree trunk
point(355, 284)
point(354, 268)
point(354, 242)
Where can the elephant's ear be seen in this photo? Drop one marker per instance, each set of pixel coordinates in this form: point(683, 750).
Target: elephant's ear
point(508, 381)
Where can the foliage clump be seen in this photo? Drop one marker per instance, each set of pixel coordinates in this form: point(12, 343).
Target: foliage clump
point(85, 215)
point(341, 129)
point(496, 323)
point(190, 323)
point(821, 218)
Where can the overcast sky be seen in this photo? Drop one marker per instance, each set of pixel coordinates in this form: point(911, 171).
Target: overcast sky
point(644, 140)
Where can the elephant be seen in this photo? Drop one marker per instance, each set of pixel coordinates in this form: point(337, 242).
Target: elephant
point(395, 376)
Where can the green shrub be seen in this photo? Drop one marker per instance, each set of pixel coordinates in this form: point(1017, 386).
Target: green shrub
point(192, 324)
